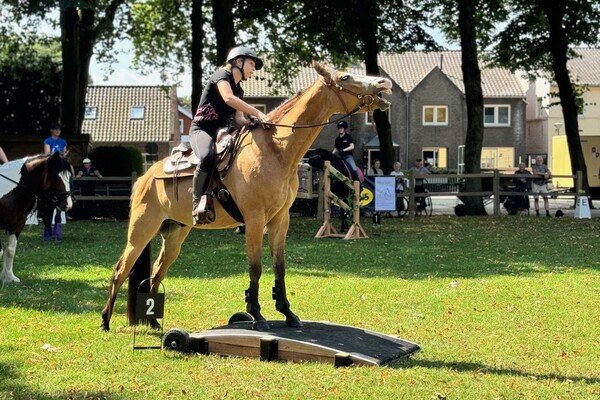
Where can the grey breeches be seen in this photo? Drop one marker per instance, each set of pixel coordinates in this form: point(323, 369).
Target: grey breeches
point(204, 148)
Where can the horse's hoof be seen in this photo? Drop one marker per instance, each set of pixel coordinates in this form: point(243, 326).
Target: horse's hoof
point(10, 279)
point(261, 326)
point(104, 327)
point(294, 323)
point(155, 325)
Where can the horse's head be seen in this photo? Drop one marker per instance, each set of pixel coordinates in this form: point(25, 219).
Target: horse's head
point(359, 93)
point(57, 182)
point(318, 157)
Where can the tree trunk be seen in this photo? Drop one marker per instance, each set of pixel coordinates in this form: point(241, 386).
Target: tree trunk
point(368, 32)
point(559, 47)
point(197, 20)
point(224, 30)
point(71, 72)
point(474, 99)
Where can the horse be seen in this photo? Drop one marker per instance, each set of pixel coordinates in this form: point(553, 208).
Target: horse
point(23, 183)
point(316, 160)
point(263, 182)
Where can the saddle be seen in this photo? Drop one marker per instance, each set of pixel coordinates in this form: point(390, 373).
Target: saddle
point(182, 163)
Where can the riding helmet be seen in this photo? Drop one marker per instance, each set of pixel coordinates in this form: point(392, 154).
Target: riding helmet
point(241, 51)
point(342, 124)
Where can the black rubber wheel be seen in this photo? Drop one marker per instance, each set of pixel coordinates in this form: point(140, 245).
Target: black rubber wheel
point(401, 206)
point(428, 206)
point(241, 316)
point(176, 339)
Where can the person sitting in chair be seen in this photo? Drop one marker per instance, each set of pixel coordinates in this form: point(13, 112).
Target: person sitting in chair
point(221, 99)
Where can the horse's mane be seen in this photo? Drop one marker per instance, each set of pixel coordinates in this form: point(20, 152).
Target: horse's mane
point(277, 114)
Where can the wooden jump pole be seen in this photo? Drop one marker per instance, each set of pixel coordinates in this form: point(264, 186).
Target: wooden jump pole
point(355, 231)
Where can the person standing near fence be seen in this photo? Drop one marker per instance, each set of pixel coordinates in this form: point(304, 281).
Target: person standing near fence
point(419, 169)
point(539, 185)
point(88, 187)
point(53, 144)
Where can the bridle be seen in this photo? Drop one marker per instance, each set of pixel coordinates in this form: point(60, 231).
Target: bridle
point(54, 196)
point(366, 100)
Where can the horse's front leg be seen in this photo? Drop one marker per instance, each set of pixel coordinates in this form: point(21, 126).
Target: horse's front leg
point(7, 275)
point(277, 234)
point(254, 238)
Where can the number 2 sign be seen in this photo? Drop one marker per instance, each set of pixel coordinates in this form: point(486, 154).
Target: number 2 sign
point(149, 306)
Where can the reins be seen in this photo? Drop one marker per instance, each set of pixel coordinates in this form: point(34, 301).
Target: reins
point(333, 86)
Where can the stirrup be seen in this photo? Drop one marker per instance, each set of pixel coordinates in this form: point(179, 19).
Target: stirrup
point(204, 213)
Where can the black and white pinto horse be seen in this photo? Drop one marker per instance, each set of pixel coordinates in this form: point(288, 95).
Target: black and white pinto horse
point(317, 158)
point(22, 183)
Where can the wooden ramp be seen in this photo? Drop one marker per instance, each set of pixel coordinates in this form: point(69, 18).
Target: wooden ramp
point(316, 341)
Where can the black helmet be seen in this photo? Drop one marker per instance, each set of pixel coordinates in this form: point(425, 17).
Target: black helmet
point(342, 124)
point(242, 51)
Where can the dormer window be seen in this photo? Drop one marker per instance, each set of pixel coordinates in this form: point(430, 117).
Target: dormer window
point(90, 112)
point(137, 112)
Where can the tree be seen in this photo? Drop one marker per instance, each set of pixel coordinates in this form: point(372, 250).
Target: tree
point(83, 24)
point(30, 71)
point(342, 31)
point(539, 39)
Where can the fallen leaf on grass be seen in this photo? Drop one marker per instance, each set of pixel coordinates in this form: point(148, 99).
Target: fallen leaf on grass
point(49, 347)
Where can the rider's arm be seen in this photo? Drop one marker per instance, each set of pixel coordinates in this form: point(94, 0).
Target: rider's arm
point(235, 102)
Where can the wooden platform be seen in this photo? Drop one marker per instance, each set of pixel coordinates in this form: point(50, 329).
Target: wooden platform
point(316, 341)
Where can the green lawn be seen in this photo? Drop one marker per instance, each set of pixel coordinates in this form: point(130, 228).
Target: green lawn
point(503, 308)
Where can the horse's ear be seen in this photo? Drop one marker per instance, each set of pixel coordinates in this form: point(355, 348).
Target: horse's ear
point(324, 70)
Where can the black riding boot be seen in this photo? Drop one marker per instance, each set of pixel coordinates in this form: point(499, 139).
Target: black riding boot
point(201, 210)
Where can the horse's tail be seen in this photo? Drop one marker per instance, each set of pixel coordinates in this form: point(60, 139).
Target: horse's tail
point(140, 272)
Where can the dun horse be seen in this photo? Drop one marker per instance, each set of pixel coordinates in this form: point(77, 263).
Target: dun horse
point(21, 182)
point(263, 182)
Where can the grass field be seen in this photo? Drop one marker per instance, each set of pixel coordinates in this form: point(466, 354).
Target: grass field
point(503, 308)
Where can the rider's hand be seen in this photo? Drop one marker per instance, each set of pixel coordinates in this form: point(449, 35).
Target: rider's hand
point(263, 119)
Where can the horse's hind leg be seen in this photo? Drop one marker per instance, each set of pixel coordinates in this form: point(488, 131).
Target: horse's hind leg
point(173, 236)
point(277, 234)
point(139, 236)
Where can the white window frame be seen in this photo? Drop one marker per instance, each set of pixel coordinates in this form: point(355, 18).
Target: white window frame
point(496, 108)
point(435, 121)
point(181, 125)
point(137, 112)
point(91, 112)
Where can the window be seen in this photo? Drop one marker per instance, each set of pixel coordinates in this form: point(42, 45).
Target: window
point(497, 157)
point(496, 115)
point(137, 112)
point(90, 113)
point(260, 107)
point(437, 157)
point(435, 115)
point(181, 125)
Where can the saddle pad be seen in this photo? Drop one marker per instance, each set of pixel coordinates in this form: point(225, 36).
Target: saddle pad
point(169, 168)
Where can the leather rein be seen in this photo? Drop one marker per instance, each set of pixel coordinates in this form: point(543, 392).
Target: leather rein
point(367, 100)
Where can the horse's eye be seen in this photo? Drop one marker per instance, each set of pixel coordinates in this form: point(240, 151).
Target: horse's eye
point(345, 77)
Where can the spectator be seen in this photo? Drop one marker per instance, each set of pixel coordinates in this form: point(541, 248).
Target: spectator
point(522, 184)
point(398, 174)
point(538, 185)
point(419, 169)
point(54, 142)
point(88, 187)
point(375, 168)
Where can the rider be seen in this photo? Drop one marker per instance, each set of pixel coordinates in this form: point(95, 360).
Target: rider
point(221, 100)
point(344, 146)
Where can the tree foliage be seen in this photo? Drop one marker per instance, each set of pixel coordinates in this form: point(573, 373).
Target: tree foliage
point(539, 40)
point(30, 71)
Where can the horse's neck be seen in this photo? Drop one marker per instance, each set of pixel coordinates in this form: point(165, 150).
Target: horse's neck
point(313, 108)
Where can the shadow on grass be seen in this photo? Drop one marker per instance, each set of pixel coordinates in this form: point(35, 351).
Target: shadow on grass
point(11, 387)
point(460, 366)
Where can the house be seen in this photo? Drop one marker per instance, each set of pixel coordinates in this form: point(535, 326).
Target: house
point(142, 117)
point(428, 113)
point(546, 123)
